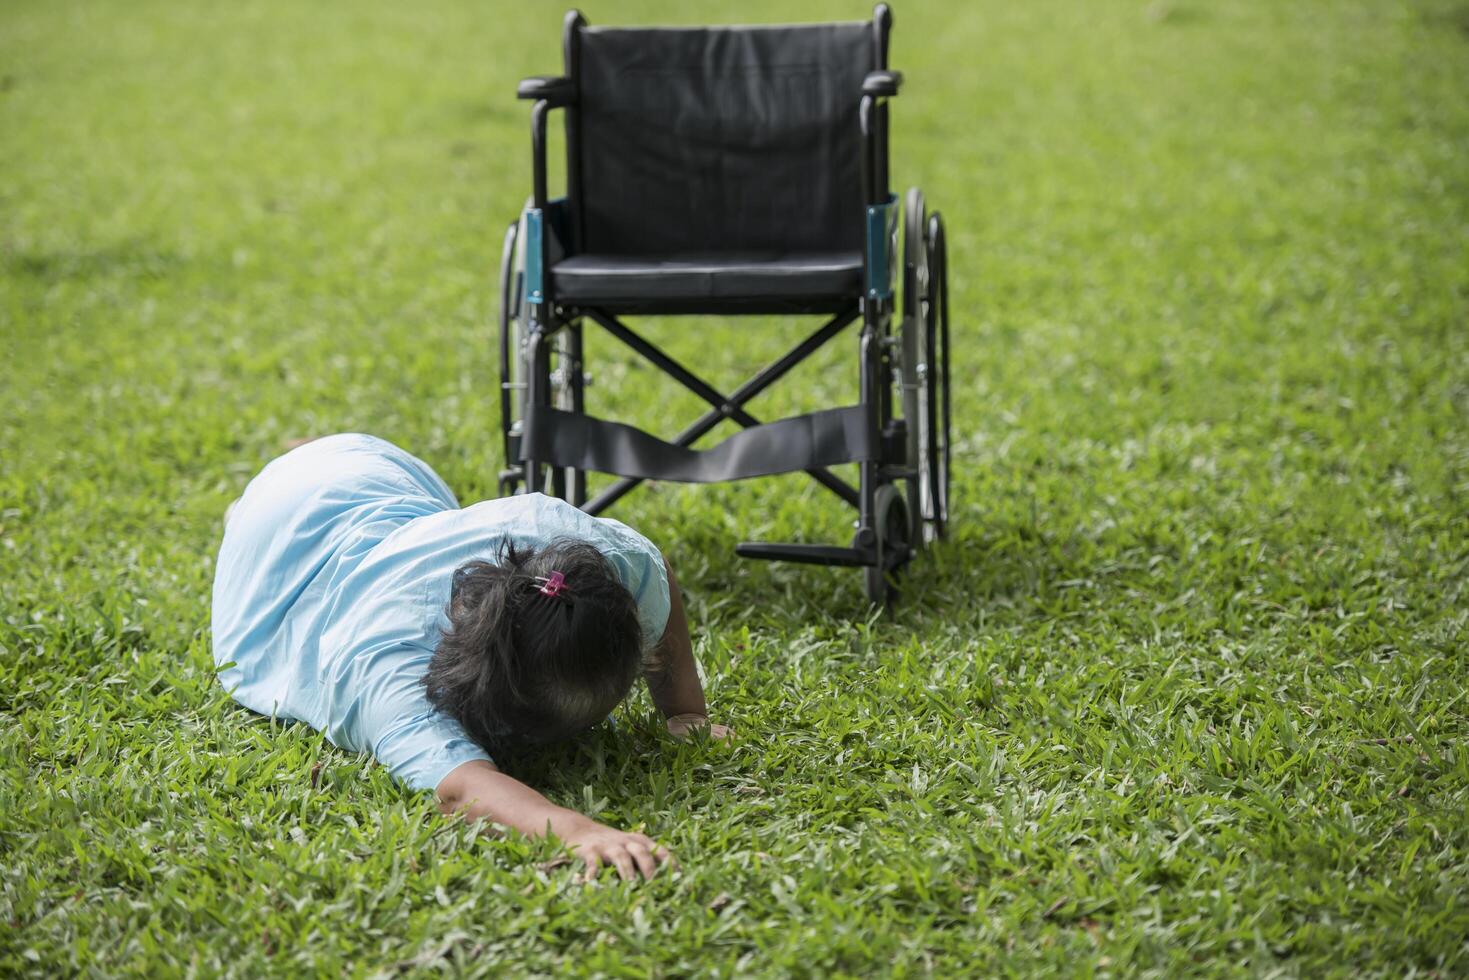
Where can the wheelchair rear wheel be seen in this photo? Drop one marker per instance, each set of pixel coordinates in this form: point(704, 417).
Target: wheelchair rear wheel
point(934, 425)
point(563, 386)
point(512, 280)
point(925, 369)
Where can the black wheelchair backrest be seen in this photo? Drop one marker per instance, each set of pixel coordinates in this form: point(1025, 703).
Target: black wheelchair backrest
point(716, 139)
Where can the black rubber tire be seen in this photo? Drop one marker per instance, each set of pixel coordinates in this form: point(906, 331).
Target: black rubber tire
point(932, 504)
point(508, 314)
point(892, 524)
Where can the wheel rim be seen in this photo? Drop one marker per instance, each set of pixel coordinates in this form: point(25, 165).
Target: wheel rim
point(933, 425)
point(926, 496)
point(564, 479)
point(936, 502)
point(917, 274)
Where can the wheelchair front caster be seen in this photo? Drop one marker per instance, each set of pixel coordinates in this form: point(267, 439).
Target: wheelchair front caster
point(893, 546)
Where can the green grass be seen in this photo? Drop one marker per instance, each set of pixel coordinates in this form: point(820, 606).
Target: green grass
point(1184, 692)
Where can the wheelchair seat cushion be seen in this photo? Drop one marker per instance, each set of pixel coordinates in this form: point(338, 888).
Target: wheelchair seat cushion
point(707, 278)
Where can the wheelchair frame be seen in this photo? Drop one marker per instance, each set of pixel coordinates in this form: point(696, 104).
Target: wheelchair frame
point(910, 449)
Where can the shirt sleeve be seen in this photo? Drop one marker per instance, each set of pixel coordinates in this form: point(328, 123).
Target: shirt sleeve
point(639, 566)
point(426, 747)
point(394, 719)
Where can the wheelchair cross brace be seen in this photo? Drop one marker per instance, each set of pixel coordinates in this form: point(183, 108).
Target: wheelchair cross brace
point(808, 442)
point(576, 440)
point(731, 406)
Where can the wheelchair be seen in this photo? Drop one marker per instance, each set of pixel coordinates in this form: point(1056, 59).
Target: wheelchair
point(728, 171)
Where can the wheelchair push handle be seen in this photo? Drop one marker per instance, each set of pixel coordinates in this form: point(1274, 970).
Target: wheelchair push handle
point(555, 90)
point(882, 84)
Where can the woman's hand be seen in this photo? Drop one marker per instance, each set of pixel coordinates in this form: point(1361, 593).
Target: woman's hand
point(684, 725)
point(631, 854)
point(477, 790)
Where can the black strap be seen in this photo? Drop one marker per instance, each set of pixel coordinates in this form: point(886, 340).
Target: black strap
point(802, 442)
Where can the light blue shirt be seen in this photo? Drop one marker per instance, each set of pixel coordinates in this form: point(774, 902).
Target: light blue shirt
point(331, 589)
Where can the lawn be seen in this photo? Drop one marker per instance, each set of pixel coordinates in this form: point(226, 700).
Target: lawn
point(1184, 691)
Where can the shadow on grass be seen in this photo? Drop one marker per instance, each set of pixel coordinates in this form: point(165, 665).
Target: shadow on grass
point(130, 260)
point(626, 749)
point(1452, 16)
point(1013, 570)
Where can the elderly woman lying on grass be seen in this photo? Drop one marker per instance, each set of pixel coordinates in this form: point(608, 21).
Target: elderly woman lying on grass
point(352, 593)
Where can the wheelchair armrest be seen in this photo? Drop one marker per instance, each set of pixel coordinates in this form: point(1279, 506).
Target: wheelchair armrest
point(548, 92)
point(882, 84)
point(555, 91)
point(872, 118)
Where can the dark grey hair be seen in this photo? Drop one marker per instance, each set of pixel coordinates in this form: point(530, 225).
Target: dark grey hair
point(518, 666)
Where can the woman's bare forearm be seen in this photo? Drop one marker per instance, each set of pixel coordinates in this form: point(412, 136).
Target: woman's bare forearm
point(477, 790)
point(674, 682)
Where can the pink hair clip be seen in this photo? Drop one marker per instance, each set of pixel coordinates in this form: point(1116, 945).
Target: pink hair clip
point(553, 586)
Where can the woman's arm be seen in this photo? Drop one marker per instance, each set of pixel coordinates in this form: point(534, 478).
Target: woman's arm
point(477, 790)
point(674, 682)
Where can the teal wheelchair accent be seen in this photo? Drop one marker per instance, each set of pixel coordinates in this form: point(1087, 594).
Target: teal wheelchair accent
point(534, 274)
point(882, 245)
